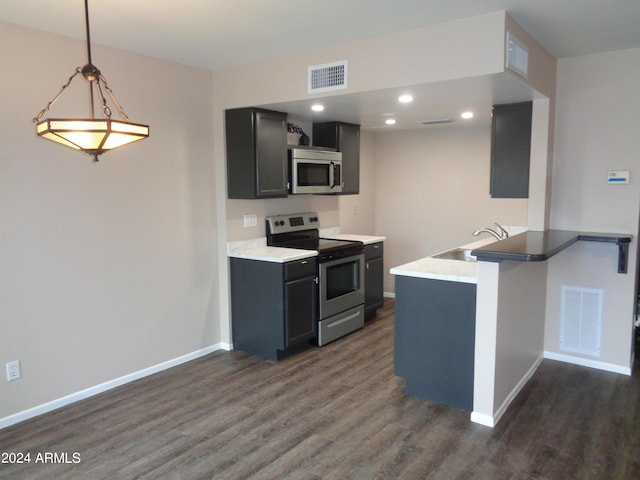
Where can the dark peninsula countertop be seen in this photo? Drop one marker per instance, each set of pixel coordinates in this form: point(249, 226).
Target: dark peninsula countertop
point(535, 246)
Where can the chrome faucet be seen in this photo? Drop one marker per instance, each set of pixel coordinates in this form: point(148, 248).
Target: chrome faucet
point(499, 236)
point(503, 232)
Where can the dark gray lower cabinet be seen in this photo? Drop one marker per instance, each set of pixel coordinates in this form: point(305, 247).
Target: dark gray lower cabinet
point(435, 339)
point(273, 306)
point(373, 279)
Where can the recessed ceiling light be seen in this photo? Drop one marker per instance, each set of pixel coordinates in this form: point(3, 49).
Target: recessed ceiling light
point(390, 121)
point(406, 98)
point(317, 107)
point(467, 115)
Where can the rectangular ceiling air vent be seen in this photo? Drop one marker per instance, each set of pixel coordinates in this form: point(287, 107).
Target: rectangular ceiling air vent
point(327, 77)
point(437, 121)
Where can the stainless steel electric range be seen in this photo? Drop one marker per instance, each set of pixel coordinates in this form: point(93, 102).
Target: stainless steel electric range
point(340, 274)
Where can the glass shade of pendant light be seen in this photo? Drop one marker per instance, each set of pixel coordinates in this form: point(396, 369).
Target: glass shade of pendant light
point(91, 135)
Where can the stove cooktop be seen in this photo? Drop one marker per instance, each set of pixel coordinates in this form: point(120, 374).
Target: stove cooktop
point(308, 240)
point(300, 231)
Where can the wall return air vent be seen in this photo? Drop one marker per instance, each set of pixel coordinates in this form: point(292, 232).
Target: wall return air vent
point(327, 77)
point(581, 319)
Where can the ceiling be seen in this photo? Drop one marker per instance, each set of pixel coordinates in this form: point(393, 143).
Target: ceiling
point(217, 34)
point(433, 102)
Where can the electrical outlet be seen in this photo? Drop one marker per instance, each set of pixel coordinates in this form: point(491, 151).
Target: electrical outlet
point(13, 370)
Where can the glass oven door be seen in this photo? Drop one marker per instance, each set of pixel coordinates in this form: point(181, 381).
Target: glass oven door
point(341, 285)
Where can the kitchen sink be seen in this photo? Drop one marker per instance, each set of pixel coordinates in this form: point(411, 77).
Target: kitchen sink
point(457, 254)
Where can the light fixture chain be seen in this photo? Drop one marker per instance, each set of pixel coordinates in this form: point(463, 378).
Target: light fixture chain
point(112, 95)
point(37, 118)
point(105, 108)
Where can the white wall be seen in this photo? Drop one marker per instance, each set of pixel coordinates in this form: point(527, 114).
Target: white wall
point(108, 267)
point(357, 212)
point(541, 76)
point(510, 323)
point(597, 131)
point(432, 191)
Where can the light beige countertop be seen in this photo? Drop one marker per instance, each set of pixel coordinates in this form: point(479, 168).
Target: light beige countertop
point(366, 239)
point(444, 269)
point(257, 249)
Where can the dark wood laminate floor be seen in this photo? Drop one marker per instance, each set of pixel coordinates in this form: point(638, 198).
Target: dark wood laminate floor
point(333, 413)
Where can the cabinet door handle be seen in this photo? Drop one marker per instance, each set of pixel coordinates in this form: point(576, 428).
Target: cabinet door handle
point(376, 246)
point(304, 262)
point(316, 280)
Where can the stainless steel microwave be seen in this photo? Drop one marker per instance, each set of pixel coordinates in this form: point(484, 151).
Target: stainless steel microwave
point(315, 171)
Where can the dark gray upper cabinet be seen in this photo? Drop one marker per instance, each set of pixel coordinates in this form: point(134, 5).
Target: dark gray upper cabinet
point(345, 138)
point(256, 153)
point(510, 150)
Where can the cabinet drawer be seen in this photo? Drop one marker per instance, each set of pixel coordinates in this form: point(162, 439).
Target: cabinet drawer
point(373, 250)
point(300, 268)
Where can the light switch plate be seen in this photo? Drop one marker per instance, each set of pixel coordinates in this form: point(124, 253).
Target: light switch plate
point(250, 220)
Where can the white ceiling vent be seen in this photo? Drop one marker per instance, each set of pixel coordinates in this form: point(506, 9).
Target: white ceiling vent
point(438, 121)
point(328, 77)
point(517, 56)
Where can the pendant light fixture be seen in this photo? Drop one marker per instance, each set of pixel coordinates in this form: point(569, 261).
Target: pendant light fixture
point(91, 135)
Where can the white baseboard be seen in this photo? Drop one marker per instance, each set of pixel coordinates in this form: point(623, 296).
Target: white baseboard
point(103, 387)
point(492, 420)
point(482, 419)
point(585, 362)
point(389, 295)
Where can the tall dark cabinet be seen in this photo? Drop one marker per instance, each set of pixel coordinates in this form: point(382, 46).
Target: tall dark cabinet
point(510, 150)
point(373, 279)
point(345, 138)
point(256, 153)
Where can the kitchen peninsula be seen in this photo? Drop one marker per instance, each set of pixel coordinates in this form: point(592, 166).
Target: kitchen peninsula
point(470, 321)
point(534, 246)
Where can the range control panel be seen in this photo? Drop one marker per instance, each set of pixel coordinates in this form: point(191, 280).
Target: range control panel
point(292, 223)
